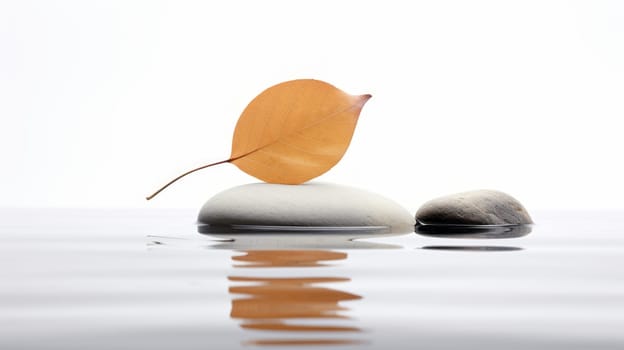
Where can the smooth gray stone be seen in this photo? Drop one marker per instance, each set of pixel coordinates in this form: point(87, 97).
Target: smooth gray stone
point(304, 206)
point(482, 207)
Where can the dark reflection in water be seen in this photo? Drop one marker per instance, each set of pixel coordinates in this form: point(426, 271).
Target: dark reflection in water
point(482, 248)
point(473, 231)
point(301, 310)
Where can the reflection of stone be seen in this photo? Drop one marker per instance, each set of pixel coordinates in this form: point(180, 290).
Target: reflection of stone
point(309, 207)
point(280, 304)
point(477, 248)
point(299, 241)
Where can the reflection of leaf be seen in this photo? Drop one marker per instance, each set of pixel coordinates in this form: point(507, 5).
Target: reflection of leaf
point(287, 258)
point(293, 132)
point(280, 304)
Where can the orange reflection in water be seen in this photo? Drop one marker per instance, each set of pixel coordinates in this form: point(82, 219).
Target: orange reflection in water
point(282, 304)
point(287, 258)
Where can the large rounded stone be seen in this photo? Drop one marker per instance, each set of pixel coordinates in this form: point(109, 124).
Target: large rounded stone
point(483, 207)
point(302, 207)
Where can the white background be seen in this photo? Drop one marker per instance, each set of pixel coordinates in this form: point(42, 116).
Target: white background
point(101, 102)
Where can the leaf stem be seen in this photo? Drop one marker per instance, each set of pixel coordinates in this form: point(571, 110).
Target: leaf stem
point(186, 173)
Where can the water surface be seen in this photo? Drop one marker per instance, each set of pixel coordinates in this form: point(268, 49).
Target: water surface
point(139, 279)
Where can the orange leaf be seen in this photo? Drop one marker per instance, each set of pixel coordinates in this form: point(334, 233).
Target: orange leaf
point(292, 132)
point(295, 131)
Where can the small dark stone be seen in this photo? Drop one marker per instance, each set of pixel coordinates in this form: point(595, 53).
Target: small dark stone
point(483, 207)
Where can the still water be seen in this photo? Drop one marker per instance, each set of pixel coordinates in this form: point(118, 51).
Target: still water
point(145, 279)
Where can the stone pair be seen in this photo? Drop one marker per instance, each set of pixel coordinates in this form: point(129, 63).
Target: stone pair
point(317, 207)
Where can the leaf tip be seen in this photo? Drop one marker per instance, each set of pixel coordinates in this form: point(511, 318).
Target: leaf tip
point(362, 99)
